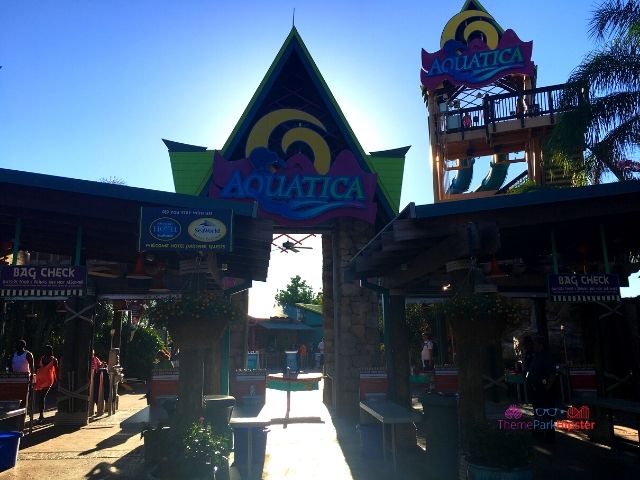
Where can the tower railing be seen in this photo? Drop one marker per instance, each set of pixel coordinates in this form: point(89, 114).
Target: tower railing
point(545, 101)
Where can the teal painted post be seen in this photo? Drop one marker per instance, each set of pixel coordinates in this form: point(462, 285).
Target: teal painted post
point(225, 351)
point(16, 241)
point(605, 252)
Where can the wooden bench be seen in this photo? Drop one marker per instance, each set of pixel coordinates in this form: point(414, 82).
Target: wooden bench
point(615, 405)
point(389, 413)
point(14, 387)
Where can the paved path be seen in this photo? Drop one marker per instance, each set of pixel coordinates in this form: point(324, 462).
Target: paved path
point(99, 450)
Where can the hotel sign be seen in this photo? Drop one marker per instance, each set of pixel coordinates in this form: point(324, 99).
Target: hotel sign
point(476, 65)
point(178, 229)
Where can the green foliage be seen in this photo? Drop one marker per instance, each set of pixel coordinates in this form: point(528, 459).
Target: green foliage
point(201, 445)
point(102, 329)
point(506, 449)
point(201, 305)
point(140, 354)
point(297, 291)
point(417, 322)
point(478, 310)
point(605, 124)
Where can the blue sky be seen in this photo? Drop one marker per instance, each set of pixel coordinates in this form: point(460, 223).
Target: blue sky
point(89, 88)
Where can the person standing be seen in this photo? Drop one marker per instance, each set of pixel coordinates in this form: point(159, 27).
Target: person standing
point(302, 352)
point(427, 352)
point(22, 359)
point(45, 377)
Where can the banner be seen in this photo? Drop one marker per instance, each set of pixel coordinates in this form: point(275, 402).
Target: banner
point(590, 287)
point(38, 281)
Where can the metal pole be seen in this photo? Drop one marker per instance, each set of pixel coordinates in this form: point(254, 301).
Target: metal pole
point(605, 252)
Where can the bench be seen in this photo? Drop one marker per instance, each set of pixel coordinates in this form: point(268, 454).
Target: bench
point(389, 413)
point(615, 404)
point(14, 387)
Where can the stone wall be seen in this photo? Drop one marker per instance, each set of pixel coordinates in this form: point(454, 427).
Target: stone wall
point(356, 314)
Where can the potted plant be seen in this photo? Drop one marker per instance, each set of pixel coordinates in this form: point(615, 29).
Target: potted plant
point(498, 454)
point(203, 454)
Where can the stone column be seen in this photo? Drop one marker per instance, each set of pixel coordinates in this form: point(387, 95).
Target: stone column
point(75, 368)
point(350, 316)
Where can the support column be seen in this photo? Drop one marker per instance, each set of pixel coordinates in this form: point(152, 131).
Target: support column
point(399, 374)
point(73, 384)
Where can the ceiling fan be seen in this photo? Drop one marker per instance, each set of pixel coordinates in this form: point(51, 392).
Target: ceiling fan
point(290, 246)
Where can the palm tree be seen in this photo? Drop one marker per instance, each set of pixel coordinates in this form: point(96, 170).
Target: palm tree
point(607, 126)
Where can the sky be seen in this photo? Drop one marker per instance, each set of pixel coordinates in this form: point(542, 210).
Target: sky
point(89, 88)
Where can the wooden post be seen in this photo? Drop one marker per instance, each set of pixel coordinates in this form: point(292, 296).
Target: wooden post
point(73, 388)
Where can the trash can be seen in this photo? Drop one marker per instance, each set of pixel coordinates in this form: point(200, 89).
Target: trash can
point(253, 360)
point(217, 411)
point(9, 446)
point(292, 360)
point(440, 416)
point(258, 445)
point(371, 439)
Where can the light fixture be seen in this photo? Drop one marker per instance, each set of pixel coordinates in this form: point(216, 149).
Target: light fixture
point(446, 287)
point(139, 272)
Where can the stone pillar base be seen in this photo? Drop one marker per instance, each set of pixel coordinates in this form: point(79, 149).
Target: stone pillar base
point(79, 419)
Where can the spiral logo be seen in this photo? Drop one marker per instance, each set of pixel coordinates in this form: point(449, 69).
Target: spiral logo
point(264, 128)
point(463, 25)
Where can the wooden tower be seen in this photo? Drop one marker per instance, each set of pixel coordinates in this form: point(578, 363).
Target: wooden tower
point(484, 107)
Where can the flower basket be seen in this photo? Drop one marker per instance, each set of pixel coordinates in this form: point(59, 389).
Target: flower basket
point(195, 320)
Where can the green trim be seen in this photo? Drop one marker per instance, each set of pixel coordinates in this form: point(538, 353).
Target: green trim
point(390, 171)
point(310, 307)
point(191, 170)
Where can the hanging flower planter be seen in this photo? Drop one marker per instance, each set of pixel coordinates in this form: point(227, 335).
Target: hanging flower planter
point(195, 320)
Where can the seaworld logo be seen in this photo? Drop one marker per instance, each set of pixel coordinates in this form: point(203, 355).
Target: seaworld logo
point(476, 65)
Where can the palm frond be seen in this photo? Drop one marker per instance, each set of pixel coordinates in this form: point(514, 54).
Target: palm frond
point(614, 18)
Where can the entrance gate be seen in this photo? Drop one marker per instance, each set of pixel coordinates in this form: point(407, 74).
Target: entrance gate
point(294, 153)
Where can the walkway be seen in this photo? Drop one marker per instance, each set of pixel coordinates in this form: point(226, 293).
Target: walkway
point(111, 448)
point(99, 450)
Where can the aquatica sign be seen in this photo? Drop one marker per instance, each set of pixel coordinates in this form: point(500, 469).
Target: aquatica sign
point(475, 64)
point(297, 189)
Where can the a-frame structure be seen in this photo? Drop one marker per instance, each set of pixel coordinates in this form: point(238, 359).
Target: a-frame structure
point(292, 112)
point(294, 153)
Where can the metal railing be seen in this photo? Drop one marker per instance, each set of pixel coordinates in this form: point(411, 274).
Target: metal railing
point(536, 102)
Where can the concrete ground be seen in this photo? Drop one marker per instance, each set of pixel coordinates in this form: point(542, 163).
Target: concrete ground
point(321, 448)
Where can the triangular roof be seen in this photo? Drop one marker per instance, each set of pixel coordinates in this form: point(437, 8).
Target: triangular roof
point(191, 166)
